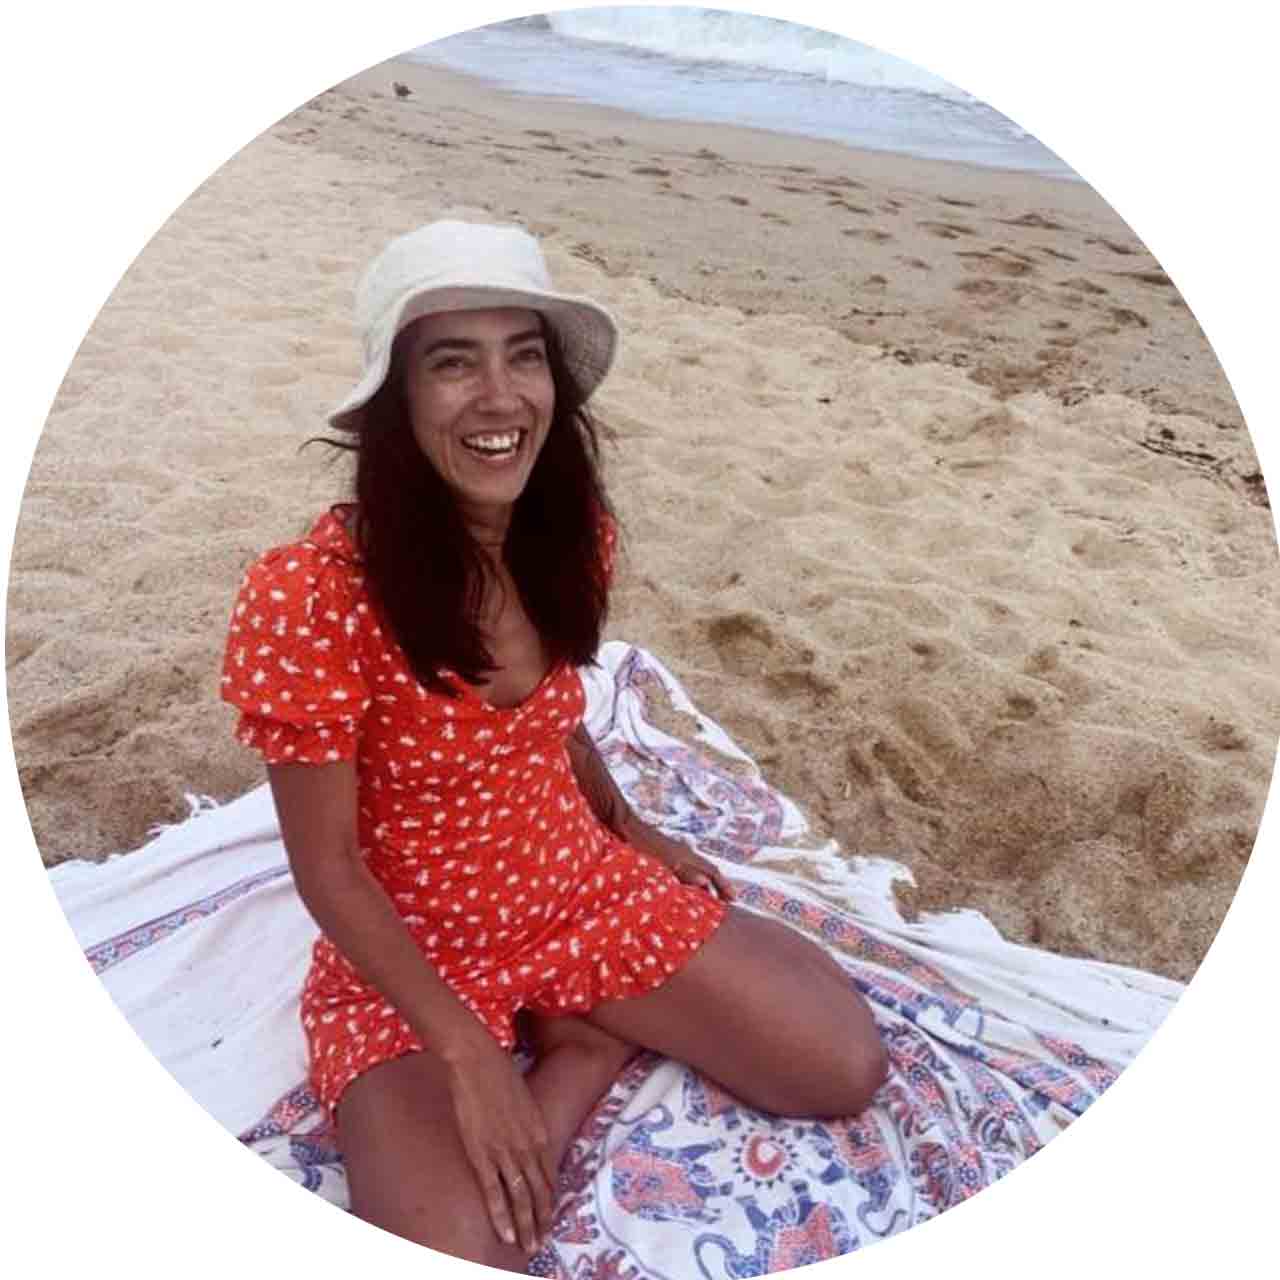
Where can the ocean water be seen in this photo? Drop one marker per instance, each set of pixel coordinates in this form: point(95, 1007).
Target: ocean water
point(736, 68)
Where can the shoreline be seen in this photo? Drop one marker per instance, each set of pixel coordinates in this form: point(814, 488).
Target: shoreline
point(770, 145)
point(496, 86)
point(934, 495)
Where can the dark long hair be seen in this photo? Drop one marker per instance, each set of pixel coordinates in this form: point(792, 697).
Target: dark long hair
point(427, 573)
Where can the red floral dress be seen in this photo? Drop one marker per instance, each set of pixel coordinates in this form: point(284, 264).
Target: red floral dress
point(470, 818)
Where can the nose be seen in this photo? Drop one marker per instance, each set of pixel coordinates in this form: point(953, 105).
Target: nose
point(498, 390)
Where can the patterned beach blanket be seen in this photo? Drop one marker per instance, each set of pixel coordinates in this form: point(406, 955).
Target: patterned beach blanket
point(994, 1047)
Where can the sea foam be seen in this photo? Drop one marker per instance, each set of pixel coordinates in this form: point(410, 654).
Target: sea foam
point(747, 40)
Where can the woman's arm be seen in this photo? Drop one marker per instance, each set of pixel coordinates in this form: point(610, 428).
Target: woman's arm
point(500, 1124)
point(317, 809)
point(597, 784)
point(610, 806)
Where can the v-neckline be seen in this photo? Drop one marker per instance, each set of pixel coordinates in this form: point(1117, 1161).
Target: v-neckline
point(467, 689)
point(470, 691)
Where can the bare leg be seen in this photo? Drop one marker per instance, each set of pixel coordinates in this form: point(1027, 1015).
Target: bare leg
point(407, 1170)
point(576, 1064)
point(767, 1015)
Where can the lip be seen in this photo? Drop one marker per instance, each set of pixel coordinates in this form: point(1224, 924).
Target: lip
point(522, 437)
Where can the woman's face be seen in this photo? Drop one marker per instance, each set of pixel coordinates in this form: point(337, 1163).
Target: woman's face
point(480, 399)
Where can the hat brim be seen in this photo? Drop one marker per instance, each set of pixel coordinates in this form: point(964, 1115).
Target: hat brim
point(587, 332)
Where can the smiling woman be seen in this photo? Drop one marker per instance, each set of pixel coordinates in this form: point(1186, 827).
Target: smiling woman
point(409, 674)
point(480, 396)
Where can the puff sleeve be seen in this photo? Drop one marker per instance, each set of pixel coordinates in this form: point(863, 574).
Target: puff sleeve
point(292, 663)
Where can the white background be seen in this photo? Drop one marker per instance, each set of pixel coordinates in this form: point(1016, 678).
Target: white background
point(114, 112)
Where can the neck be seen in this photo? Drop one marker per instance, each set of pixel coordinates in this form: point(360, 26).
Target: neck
point(488, 525)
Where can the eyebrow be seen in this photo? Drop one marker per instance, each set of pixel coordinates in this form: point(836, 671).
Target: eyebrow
point(471, 344)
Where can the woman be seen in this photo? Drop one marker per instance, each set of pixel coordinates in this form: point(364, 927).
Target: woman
point(408, 672)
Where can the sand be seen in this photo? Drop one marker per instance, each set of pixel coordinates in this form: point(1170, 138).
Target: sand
point(933, 493)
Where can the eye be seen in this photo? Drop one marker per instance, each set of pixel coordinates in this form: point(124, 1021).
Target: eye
point(455, 363)
point(530, 356)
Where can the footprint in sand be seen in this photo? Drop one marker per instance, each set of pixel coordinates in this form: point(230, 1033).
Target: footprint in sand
point(589, 253)
point(1037, 220)
point(588, 173)
point(749, 648)
point(739, 200)
point(840, 203)
point(895, 761)
point(743, 642)
point(867, 233)
point(1147, 277)
point(947, 230)
point(1126, 318)
point(1003, 261)
point(1083, 286)
point(1114, 245)
point(931, 657)
point(651, 171)
point(1219, 735)
point(1057, 253)
point(958, 203)
point(993, 291)
point(1018, 706)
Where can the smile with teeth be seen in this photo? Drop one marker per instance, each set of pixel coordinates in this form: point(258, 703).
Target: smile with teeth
point(494, 444)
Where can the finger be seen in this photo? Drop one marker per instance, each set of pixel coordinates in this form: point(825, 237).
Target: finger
point(541, 1171)
point(709, 880)
point(520, 1198)
point(708, 876)
point(537, 1195)
point(495, 1198)
point(543, 1180)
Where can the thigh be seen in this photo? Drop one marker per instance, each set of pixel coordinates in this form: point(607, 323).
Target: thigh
point(407, 1169)
point(766, 1014)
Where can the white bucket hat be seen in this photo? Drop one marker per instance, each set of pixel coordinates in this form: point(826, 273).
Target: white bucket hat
point(468, 266)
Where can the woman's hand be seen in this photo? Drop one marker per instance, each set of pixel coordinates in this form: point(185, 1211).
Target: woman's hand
point(689, 867)
point(505, 1139)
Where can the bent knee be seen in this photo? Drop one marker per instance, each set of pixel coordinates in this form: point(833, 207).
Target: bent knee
point(841, 1082)
point(849, 1089)
point(865, 1073)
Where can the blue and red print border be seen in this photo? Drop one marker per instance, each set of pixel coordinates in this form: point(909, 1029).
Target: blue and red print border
point(111, 951)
